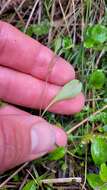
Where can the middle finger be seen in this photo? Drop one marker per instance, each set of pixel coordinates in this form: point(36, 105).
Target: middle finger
point(22, 89)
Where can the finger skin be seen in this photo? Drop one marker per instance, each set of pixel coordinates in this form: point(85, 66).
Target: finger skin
point(24, 137)
point(22, 89)
point(20, 52)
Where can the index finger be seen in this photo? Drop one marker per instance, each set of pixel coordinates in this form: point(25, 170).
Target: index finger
point(19, 51)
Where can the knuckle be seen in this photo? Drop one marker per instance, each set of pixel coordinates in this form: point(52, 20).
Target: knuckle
point(7, 149)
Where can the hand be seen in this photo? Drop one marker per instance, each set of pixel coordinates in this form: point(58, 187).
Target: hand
point(30, 75)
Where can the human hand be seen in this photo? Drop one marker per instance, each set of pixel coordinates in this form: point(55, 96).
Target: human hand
point(30, 75)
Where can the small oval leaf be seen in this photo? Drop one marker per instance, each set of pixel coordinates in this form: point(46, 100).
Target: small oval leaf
point(99, 150)
point(69, 90)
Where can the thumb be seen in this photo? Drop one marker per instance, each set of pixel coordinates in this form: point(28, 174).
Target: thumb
point(24, 137)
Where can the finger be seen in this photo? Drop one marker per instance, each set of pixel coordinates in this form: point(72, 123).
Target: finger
point(20, 52)
point(22, 89)
point(24, 137)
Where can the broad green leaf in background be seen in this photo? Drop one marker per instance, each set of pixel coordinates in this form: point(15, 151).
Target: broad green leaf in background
point(99, 33)
point(30, 185)
point(94, 181)
point(39, 29)
point(95, 35)
point(69, 90)
point(57, 154)
point(97, 79)
point(99, 150)
point(103, 172)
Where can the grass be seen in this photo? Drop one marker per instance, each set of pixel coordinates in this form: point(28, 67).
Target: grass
point(65, 33)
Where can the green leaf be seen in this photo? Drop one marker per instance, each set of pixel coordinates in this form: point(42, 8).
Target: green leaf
point(99, 33)
point(94, 181)
point(57, 154)
point(30, 185)
point(99, 150)
point(89, 43)
point(103, 187)
point(69, 90)
point(95, 35)
point(97, 79)
point(39, 29)
point(67, 42)
point(103, 172)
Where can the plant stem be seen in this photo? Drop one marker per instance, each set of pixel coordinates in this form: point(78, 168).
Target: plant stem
point(85, 120)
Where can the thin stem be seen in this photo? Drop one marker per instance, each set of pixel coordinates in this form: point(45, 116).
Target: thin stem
point(85, 120)
point(46, 109)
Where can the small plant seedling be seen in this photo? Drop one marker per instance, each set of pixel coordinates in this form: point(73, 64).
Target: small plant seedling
point(69, 90)
point(97, 79)
point(96, 35)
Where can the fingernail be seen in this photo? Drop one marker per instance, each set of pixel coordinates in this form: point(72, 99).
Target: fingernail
point(61, 137)
point(42, 138)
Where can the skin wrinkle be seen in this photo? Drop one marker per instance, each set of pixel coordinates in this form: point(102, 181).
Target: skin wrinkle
point(19, 147)
point(9, 136)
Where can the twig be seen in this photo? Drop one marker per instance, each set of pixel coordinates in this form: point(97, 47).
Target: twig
point(64, 16)
point(52, 23)
point(82, 21)
point(85, 120)
point(10, 177)
point(25, 179)
point(31, 14)
point(20, 17)
point(62, 180)
point(5, 5)
point(40, 11)
point(19, 7)
point(73, 6)
point(99, 57)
